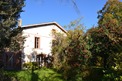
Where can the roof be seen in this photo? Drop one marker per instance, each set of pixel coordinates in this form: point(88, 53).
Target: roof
point(43, 24)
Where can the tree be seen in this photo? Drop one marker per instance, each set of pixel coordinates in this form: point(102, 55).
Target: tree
point(107, 37)
point(72, 53)
point(110, 18)
point(111, 13)
point(10, 34)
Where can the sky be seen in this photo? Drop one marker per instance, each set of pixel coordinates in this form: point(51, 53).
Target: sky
point(61, 11)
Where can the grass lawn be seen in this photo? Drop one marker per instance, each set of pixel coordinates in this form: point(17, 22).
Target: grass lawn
point(42, 74)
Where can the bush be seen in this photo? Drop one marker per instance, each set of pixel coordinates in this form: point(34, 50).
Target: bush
point(30, 65)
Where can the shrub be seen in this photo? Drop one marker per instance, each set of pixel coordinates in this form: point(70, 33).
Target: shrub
point(30, 65)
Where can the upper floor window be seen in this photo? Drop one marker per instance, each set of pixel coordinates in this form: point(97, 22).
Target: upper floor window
point(37, 42)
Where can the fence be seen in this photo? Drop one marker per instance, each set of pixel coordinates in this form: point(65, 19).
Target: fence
point(12, 60)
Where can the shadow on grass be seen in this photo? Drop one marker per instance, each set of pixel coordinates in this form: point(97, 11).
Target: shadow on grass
point(45, 74)
point(34, 76)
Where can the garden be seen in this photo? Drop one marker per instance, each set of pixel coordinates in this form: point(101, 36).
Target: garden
point(92, 55)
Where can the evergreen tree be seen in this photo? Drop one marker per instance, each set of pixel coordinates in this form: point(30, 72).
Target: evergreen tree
point(10, 34)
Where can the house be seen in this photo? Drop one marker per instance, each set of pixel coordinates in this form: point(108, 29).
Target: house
point(37, 45)
point(38, 39)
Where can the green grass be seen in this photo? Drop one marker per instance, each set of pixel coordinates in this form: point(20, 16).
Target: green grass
point(45, 74)
point(42, 74)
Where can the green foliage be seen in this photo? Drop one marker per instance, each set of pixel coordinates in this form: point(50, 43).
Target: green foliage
point(100, 74)
point(10, 35)
point(31, 65)
point(110, 19)
point(106, 39)
point(58, 50)
point(42, 74)
point(111, 12)
point(112, 75)
point(4, 76)
point(72, 53)
point(105, 43)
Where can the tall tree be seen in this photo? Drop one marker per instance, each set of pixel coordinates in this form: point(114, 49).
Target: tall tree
point(110, 17)
point(111, 13)
point(107, 37)
point(10, 36)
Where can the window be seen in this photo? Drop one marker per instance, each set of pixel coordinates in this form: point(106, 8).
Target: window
point(37, 42)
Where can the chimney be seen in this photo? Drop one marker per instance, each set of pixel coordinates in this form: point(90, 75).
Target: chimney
point(19, 22)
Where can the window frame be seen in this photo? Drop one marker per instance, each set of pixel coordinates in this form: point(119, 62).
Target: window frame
point(36, 42)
